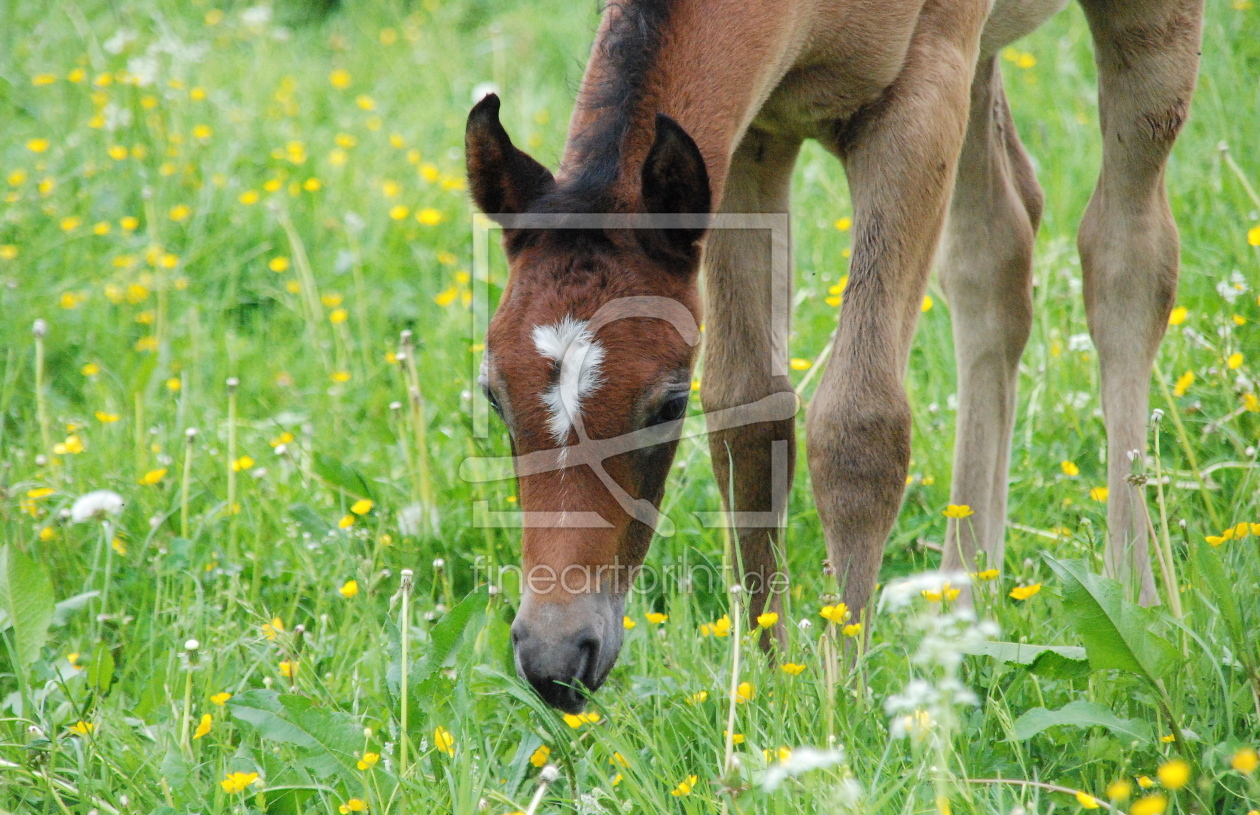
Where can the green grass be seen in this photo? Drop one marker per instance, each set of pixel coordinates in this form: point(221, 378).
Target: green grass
point(168, 307)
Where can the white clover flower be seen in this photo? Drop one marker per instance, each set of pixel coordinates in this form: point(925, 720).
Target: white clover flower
point(96, 506)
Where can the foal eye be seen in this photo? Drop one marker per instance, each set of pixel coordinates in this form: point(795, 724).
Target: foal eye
point(672, 410)
point(494, 403)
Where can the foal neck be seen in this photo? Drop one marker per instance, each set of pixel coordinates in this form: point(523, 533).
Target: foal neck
point(708, 64)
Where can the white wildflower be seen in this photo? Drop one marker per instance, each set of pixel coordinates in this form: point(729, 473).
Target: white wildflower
point(802, 760)
point(96, 506)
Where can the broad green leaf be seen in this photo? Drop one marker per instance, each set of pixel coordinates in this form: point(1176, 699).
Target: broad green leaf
point(1080, 714)
point(1118, 634)
point(342, 475)
point(1054, 661)
point(26, 595)
point(327, 738)
point(1023, 653)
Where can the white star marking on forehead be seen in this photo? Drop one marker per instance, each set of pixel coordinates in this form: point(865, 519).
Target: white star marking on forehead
point(570, 343)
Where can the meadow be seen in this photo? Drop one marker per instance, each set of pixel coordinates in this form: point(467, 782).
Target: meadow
point(236, 280)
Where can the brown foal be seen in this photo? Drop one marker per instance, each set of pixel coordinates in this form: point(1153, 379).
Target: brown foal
point(699, 107)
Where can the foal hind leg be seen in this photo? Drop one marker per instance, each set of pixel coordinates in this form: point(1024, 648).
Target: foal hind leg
point(900, 156)
point(753, 462)
point(1147, 56)
point(986, 271)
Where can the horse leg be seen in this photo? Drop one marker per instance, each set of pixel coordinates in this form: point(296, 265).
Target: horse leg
point(900, 156)
point(1147, 57)
point(742, 339)
point(986, 271)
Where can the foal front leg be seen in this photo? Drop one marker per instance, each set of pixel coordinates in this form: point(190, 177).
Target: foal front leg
point(1148, 55)
point(753, 463)
point(900, 157)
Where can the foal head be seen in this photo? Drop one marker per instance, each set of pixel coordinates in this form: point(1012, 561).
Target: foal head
point(588, 363)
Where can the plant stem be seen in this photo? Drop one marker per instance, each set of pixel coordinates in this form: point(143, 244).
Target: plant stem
point(186, 481)
point(737, 616)
point(231, 470)
point(41, 405)
point(404, 631)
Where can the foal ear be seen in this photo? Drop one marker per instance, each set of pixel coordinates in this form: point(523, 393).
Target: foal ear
point(503, 179)
point(675, 181)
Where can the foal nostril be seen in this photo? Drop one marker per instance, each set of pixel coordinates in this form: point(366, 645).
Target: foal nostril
point(560, 672)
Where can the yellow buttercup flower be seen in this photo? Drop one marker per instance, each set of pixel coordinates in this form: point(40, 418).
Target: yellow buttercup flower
point(697, 697)
point(627, 623)
point(987, 574)
point(242, 463)
point(349, 589)
point(237, 782)
point(444, 741)
point(1178, 315)
point(204, 727)
point(429, 216)
point(958, 511)
point(1119, 790)
point(362, 507)
point(927, 304)
point(1024, 592)
point(792, 668)
point(745, 692)
point(1183, 383)
point(736, 738)
point(353, 805)
point(835, 614)
point(577, 720)
point(368, 761)
point(1086, 800)
point(541, 756)
point(220, 699)
point(798, 364)
point(288, 668)
point(271, 629)
point(1099, 494)
point(339, 79)
point(1149, 805)
point(1069, 468)
point(853, 629)
point(153, 476)
point(82, 728)
point(782, 754)
point(685, 786)
point(656, 618)
point(1245, 761)
point(106, 418)
point(278, 264)
point(767, 619)
point(946, 592)
point(346, 522)
point(1174, 774)
point(1234, 361)
point(720, 628)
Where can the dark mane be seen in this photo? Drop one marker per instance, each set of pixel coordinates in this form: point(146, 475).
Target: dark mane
point(627, 51)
